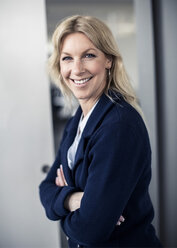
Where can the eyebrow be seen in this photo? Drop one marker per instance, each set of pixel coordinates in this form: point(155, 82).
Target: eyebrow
point(82, 52)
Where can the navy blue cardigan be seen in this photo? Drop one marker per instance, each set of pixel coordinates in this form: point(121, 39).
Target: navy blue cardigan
point(113, 168)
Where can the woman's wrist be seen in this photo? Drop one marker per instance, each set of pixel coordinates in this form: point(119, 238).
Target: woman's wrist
point(73, 201)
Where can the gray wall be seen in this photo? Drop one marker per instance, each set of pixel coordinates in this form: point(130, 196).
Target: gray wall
point(147, 85)
point(157, 56)
point(165, 34)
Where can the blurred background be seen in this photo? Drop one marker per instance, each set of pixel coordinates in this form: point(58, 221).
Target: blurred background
point(33, 112)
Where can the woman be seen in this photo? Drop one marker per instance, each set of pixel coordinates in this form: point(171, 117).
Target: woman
point(102, 170)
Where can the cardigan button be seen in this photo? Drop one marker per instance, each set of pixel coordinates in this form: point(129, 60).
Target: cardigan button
point(78, 246)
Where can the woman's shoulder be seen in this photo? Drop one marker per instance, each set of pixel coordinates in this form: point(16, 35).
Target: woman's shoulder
point(124, 118)
point(123, 112)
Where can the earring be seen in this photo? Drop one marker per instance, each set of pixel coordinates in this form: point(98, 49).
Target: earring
point(108, 75)
point(108, 71)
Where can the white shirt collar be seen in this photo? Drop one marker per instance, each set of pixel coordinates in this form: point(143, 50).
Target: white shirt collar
point(84, 119)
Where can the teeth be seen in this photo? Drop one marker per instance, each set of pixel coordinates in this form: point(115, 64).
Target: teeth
point(82, 81)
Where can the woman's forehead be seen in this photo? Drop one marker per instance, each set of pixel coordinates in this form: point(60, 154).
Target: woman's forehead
point(77, 42)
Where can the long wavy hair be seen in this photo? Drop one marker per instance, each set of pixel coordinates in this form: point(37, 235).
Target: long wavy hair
point(102, 38)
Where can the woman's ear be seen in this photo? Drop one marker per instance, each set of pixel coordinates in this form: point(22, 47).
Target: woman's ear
point(109, 62)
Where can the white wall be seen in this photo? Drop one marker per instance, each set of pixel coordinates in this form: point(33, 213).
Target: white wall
point(25, 125)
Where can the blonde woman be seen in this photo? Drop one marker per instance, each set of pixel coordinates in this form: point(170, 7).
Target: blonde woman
point(98, 184)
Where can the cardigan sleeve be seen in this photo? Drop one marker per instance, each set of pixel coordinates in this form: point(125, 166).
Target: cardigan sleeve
point(52, 196)
point(118, 156)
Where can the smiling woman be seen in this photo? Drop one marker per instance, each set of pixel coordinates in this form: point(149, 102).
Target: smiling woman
point(98, 184)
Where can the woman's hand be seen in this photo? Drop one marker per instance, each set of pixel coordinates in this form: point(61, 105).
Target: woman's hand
point(60, 179)
point(73, 200)
point(121, 219)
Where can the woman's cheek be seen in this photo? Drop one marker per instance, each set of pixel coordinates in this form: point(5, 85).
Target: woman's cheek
point(65, 71)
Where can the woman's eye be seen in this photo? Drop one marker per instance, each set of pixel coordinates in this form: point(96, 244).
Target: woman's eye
point(66, 58)
point(90, 55)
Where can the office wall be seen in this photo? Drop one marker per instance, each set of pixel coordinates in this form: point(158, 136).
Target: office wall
point(165, 36)
point(147, 88)
point(157, 49)
point(26, 141)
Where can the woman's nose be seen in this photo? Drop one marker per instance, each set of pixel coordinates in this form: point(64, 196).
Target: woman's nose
point(78, 67)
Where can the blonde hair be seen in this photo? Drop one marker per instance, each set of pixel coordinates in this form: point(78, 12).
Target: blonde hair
point(102, 38)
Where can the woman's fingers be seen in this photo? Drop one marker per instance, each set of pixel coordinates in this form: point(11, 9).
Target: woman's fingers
point(121, 219)
point(60, 179)
point(56, 181)
point(62, 174)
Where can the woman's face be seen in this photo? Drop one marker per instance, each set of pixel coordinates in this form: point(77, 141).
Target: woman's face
point(83, 67)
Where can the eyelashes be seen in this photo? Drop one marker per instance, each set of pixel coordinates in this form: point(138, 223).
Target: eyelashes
point(66, 58)
point(88, 55)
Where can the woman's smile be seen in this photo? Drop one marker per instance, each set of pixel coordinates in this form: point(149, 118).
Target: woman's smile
point(81, 82)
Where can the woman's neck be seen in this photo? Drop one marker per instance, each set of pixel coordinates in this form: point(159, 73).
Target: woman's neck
point(86, 105)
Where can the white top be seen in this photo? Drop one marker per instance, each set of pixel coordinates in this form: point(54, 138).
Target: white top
point(73, 148)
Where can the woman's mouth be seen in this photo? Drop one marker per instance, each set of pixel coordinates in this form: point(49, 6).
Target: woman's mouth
point(81, 81)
